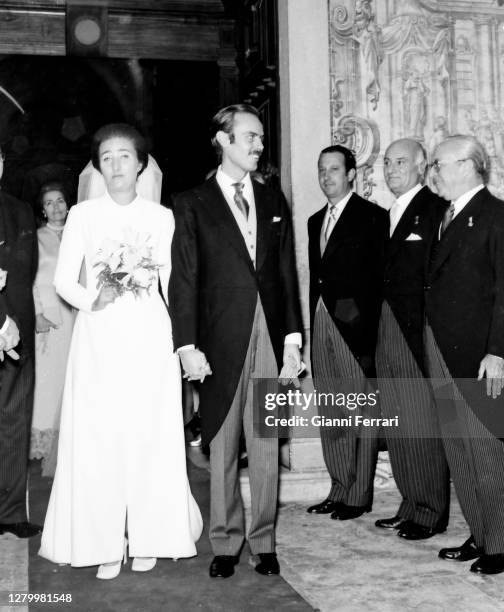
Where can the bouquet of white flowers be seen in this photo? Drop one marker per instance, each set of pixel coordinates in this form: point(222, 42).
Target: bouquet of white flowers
point(127, 265)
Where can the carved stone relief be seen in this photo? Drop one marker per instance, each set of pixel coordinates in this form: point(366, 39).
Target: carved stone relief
point(421, 69)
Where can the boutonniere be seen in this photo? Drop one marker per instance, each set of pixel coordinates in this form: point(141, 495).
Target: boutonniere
point(417, 219)
point(470, 222)
point(276, 219)
point(3, 278)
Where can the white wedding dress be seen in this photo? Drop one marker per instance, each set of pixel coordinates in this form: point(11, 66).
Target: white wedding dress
point(121, 454)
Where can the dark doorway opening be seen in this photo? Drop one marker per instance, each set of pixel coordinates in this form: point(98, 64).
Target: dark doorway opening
point(65, 99)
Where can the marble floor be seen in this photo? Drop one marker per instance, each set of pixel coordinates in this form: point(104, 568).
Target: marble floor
point(332, 566)
point(352, 566)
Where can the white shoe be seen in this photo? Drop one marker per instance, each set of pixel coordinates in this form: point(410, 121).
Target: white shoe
point(143, 564)
point(107, 571)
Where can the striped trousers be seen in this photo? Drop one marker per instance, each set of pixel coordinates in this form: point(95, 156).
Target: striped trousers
point(476, 460)
point(349, 453)
point(16, 406)
point(227, 525)
point(415, 447)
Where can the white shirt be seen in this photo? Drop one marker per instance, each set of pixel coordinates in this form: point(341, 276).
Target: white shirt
point(338, 209)
point(399, 207)
point(465, 198)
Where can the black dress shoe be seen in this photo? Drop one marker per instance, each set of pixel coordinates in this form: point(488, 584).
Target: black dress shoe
point(413, 531)
point(489, 564)
point(346, 513)
point(325, 507)
point(222, 566)
point(21, 530)
point(268, 564)
point(466, 552)
point(396, 522)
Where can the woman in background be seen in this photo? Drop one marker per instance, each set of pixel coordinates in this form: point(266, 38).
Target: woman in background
point(54, 323)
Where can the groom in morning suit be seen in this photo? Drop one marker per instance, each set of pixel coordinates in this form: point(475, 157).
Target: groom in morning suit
point(233, 299)
point(346, 248)
point(18, 257)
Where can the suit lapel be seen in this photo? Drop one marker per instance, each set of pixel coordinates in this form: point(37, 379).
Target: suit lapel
point(455, 232)
point(263, 214)
point(315, 231)
point(217, 207)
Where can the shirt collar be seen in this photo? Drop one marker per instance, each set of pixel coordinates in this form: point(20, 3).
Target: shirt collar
point(405, 198)
point(226, 181)
point(466, 197)
point(342, 203)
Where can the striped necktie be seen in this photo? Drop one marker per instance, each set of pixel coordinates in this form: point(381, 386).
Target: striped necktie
point(448, 218)
point(240, 201)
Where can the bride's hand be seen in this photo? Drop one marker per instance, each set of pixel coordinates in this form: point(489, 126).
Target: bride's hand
point(106, 296)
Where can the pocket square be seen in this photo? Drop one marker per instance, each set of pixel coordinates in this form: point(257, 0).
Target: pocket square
point(414, 237)
point(276, 219)
point(2, 242)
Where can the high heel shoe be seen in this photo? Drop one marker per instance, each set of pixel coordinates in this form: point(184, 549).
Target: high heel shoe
point(143, 564)
point(107, 571)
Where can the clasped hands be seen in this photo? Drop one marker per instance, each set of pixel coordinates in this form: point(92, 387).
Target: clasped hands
point(195, 364)
point(9, 339)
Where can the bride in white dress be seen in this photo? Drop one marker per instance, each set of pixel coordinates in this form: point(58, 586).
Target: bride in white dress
point(121, 457)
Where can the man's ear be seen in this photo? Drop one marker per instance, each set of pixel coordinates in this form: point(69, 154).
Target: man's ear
point(351, 175)
point(222, 138)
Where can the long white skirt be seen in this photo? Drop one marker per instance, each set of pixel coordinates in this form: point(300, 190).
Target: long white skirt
point(121, 454)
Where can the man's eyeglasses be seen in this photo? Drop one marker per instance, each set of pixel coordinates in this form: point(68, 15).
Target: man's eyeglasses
point(437, 164)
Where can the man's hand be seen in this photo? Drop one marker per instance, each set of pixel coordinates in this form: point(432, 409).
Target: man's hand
point(43, 325)
point(10, 335)
point(291, 365)
point(492, 367)
point(195, 364)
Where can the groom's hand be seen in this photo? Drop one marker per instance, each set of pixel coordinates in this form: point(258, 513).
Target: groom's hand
point(195, 364)
point(291, 365)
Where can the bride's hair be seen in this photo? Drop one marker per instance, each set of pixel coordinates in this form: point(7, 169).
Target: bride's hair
point(119, 130)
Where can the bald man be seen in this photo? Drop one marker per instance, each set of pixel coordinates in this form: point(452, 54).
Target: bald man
point(465, 344)
point(415, 446)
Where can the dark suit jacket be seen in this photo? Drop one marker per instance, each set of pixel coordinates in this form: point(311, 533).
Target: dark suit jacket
point(404, 277)
point(214, 287)
point(465, 286)
point(349, 275)
point(18, 256)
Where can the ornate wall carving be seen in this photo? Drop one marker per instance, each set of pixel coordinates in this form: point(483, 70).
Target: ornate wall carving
point(417, 68)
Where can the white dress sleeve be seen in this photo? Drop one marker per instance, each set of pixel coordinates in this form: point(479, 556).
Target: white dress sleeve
point(164, 251)
point(71, 254)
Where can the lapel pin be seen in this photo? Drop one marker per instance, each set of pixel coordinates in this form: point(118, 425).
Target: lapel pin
point(416, 220)
point(470, 224)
